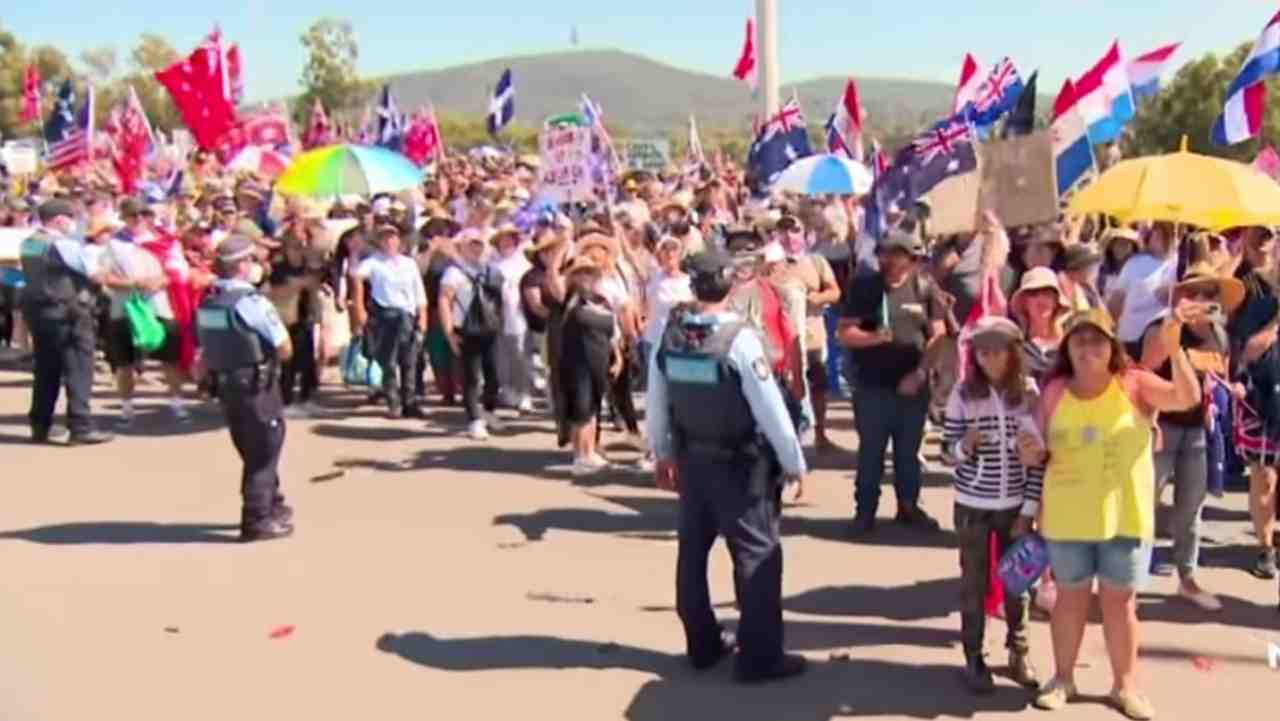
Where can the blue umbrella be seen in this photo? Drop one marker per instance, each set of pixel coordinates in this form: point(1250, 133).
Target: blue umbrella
point(825, 174)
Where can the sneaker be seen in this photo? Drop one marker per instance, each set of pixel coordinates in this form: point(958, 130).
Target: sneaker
point(1192, 591)
point(525, 406)
point(916, 518)
point(126, 415)
point(56, 434)
point(599, 460)
point(90, 438)
point(787, 666)
point(1055, 695)
point(478, 431)
point(494, 422)
point(414, 412)
point(645, 464)
point(270, 530)
point(585, 467)
point(1265, 566)
point(312, 409)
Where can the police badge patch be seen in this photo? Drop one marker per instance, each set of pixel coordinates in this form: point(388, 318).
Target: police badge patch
point(761, 368)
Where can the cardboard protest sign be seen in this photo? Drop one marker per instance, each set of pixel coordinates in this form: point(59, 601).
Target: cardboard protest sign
point(953, 204)
point(565, 175)
point(1018, 179)
point(20, 159)
point(647, 154)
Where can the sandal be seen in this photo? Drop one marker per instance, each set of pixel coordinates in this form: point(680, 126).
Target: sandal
point(1055, 695)
point(1133, 705)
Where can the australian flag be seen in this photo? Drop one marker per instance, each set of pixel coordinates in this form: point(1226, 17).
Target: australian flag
point(997, 95)
point(782, 141)
point(941, 152)
point(390, 122)
point(502, 108)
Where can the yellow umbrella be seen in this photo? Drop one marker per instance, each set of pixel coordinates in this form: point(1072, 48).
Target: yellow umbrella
point(1183, 187)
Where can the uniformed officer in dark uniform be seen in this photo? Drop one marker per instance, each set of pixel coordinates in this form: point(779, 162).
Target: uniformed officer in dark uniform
point(724, 440)
point(243, 343)
point(58, 304)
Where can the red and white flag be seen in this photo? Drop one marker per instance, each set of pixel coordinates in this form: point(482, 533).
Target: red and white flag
point(201, 90)
point(848, 121)
point(747, 69)
point(130, 141)
point(319, 133)
point(30, 95)
point(971, 77)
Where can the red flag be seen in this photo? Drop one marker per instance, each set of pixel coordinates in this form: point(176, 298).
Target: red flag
point(318, 132)
point(182, 296)
point(747, 69)
point(129, 137)
point(235, 76)
point(417, 140)
point(199, 88)
point(31, 95)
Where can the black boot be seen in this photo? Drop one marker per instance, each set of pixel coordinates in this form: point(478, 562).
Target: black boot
point(976, 674)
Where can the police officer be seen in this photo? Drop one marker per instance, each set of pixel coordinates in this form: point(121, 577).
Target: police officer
point(243, 343)
point(58, 304)
point(724, 441)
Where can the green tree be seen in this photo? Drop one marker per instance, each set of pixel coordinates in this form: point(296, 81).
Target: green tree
point(14, 59)
point(330, 72)
point(1189, 105)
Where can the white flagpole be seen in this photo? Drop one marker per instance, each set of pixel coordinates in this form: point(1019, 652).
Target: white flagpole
point(767, 52)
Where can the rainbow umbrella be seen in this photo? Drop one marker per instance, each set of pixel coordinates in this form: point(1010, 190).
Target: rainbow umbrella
point(343, 169)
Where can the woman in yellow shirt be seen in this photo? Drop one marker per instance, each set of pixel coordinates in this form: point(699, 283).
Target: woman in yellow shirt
point(1097, 509)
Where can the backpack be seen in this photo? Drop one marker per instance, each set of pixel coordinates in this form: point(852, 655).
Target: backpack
point(484, 315)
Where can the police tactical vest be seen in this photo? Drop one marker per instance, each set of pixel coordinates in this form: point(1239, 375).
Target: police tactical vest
point(51, 286)
point(225, 341)
point(708, 407)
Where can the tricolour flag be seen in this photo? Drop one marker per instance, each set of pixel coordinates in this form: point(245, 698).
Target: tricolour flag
point(1145, 71)
point(69, 133)
point(846, 124)
point(502, 108)
point(1104, 98)
point(1241, 119)
point(748, 68)
point(970, 78)
point(1072, 152)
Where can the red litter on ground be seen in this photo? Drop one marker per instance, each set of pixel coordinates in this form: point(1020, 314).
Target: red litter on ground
point(281, 632)
point(1202, 663)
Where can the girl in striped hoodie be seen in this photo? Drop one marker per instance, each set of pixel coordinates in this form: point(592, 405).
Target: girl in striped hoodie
point(988, 429)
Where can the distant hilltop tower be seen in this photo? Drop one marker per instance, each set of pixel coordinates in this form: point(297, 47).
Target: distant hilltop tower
point(573, 36)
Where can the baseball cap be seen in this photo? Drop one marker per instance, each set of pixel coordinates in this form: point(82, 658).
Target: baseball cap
point(708, 262)
point(51, 209)
point(899, 240)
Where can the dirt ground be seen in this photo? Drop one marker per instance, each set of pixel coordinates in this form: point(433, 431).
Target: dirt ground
point(432, 576)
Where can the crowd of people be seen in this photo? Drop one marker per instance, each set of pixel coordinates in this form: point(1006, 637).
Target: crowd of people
point(1128, 359)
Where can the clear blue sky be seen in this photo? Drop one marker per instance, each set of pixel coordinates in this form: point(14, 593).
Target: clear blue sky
point(923, 39)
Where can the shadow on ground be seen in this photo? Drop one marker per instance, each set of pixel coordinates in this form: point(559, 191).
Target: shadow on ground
point(125, 533)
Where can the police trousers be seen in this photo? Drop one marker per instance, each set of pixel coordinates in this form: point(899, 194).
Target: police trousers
point(396, 346)
point(255, 417)
point(715, 501)
point(63, 355)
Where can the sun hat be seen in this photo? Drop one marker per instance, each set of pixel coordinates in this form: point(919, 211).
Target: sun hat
point(1097, 318)
point(1231, 292)
point(992, 331)
point(1034, 280)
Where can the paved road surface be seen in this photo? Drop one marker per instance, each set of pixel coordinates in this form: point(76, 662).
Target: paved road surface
point(435, 577)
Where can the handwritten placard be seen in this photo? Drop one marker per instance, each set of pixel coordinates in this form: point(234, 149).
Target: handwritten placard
point(566, 163)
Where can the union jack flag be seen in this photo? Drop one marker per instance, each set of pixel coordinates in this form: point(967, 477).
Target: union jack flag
point(993, 90)
point(788, 118)
point(943, 139)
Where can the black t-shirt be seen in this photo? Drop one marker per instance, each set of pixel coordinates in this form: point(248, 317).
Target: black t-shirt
point(284, 272)
point(911, 308)
point(535, 277)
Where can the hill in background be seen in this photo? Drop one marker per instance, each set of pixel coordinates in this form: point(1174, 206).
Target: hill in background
point(647, 97)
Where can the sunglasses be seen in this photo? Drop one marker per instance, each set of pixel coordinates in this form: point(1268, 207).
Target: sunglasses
point(1208, 292)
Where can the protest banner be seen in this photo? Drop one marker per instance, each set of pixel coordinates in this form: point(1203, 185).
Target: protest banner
point(19, 158)
point(565, 175)
point(647, 154)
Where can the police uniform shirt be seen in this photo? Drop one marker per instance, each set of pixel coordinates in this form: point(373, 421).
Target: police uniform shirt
point(72, 252)
point(257, 313)
point(747, 357)
point(395, 280)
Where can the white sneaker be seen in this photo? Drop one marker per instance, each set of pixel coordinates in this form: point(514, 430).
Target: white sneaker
point(478, 431)
point(588, 466)
point(494, 422)
point(525, 406)
point(599, 460)
point(126, 414)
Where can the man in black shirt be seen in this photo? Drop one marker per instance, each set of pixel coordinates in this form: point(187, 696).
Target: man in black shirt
point(888, 321)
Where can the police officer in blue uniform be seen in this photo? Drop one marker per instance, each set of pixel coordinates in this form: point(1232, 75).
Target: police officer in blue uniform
point(243, 342)
point(58, 304)
point(725, 442)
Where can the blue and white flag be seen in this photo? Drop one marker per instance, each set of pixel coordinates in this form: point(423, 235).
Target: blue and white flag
point(502, 108)
point(391, 123)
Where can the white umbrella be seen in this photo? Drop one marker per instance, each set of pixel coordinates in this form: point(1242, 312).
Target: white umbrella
point(825, 174)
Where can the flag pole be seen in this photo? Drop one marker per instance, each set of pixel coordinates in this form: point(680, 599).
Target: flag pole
point(767, 44)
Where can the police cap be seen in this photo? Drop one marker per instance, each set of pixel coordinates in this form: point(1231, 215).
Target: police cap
point(51, 209)
point(235, 248)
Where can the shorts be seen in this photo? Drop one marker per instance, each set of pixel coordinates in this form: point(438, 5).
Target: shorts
point(1255, 442)
point(122, 354)
point(1122, 563)
point(816, 370)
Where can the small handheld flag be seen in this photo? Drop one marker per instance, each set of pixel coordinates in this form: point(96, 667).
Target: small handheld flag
point(502, 108)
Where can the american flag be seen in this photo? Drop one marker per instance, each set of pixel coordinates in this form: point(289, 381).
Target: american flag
point(942, 140)
point(69, 134)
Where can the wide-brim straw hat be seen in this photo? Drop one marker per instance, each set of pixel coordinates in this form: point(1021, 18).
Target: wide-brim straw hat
point(504, 231)
point(597, 240)
point(549, 241)
point(1094, 318)
point(1033, 280)
point(1231, 292)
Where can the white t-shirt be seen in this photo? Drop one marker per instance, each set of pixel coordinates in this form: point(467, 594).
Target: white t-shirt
point(1140, 279)
point(395, 280)
point(513, 269)
point(133, 262)
point(458, 279)
point(664, 293)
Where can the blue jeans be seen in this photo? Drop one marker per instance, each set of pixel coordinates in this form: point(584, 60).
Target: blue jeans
point(1120, 563)
point(880, 414)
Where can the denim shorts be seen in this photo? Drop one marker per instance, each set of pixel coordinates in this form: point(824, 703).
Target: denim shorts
point(1122, 563)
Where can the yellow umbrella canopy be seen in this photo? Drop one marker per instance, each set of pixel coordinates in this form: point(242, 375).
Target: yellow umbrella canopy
point(1183, 187)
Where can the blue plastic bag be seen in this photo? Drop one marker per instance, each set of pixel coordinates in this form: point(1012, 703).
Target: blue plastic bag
point(358, 370)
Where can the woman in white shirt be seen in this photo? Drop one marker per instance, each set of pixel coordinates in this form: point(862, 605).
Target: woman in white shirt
point(514, 375)
point(667, 288)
